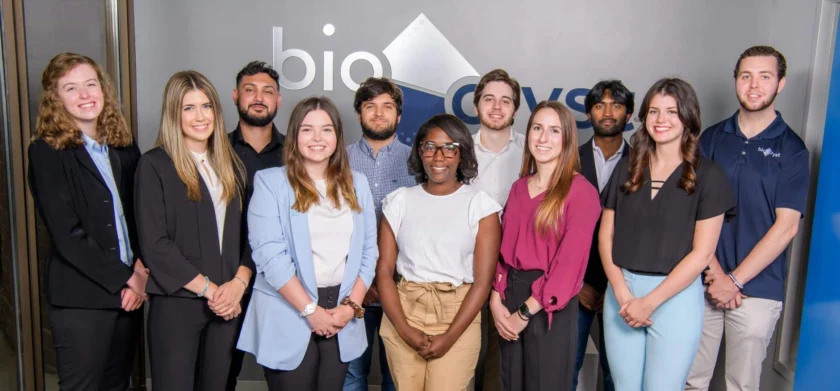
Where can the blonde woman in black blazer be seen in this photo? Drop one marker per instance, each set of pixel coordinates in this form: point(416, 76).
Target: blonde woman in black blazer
point(81, 173)
point(188, 204)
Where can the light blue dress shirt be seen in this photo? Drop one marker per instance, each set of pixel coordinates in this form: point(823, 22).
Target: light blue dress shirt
point(386, 172)
point(99, 154)
point(273, 329)
point(605, 167)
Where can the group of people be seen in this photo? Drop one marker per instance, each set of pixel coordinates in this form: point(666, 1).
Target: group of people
point(478, 259)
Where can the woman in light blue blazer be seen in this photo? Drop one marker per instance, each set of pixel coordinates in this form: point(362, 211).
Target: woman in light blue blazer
point(312, 228)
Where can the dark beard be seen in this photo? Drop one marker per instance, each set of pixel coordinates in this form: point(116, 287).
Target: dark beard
point(379, 135)
point(617, 129)
point(491, 127)
point(256, 121)
point(760, 108)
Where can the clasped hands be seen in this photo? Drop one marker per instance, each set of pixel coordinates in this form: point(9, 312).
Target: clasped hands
point(508, 324)
point(721, 291)
point(636, 311)
point(134, 293)
point(427, 346)
point(328, 322)
point(225, 300)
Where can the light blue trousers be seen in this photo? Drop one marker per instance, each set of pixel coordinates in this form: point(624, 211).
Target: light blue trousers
point(658, 357)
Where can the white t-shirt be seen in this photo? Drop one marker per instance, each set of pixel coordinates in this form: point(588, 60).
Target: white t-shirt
point(330, 229)
point(436, 234)
point(214, 186)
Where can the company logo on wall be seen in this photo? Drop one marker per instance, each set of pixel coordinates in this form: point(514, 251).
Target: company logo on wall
point(434, 76)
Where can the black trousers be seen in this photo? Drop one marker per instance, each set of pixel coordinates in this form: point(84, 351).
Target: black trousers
point(487, 369)
point(238, 356)
point(321, 368)
point(190, 348)
point(94, 348)
point(541, 359)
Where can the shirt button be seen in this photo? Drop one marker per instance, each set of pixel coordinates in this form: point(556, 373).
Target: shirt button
point(105, 201)
point(375, 185)
point(110, 225)
point(743, 153)
point(746, 141)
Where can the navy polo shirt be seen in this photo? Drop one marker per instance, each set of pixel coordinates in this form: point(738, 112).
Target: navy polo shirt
point(767, 172)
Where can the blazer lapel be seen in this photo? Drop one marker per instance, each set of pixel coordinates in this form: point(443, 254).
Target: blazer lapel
point(303, 248)
point(208, 233)
point(587, 163)
point(86, 161)
point(116, 166)
point(231, 237)
point(353, 263)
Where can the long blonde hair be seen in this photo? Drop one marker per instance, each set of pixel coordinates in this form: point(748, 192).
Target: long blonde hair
point(550, 210)
point(55, 125)
point(339, 177)
point(223, 159)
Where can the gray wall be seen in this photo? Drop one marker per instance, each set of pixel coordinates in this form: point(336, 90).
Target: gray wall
point(545, 44)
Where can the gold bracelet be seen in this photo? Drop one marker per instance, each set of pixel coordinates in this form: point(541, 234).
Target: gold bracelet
point(240, 280)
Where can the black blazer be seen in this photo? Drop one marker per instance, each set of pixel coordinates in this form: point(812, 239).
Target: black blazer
point(594, 270)
point(178, 237)
point(83, 267)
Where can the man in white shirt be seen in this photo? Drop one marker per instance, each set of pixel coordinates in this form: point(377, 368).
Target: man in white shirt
point(498, 150)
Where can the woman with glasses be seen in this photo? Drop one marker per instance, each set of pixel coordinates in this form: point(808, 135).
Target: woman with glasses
point(548, 224)
point(442, 236)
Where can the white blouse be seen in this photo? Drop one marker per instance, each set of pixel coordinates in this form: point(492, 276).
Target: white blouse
point(330, 229)
point(436, 234)
point(214, 186)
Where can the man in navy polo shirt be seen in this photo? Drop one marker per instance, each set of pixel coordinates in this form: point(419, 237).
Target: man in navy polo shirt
point(767, 164)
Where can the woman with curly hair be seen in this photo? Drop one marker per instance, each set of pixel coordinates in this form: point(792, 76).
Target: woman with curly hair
point(81, 173)
point(442, 236)
point(663, 212)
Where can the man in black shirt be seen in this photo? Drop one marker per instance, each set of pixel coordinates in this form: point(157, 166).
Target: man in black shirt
point(259, 145)
point(609, 105)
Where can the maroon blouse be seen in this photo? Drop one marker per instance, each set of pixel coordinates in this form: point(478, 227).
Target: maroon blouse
point(563, 257)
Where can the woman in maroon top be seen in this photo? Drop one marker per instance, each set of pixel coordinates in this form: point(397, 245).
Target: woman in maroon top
point(546, 231)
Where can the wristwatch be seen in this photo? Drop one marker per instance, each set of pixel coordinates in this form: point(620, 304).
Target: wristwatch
point(309, 309)
point(358, 312)
point(525, 312)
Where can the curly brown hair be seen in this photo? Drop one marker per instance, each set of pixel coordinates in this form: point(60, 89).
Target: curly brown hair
point(688, 109)
point(55, 125)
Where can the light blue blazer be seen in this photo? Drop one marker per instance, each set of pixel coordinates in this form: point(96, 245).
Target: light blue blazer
point(273, 330)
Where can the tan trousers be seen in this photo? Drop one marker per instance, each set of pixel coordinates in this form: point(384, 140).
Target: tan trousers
point(748, 330)
point(431, 308)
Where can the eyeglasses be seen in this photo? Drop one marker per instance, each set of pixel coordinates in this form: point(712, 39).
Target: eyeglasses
point(449, 150)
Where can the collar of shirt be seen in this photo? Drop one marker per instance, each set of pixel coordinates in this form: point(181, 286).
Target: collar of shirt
point(514, 138)
point(93, 146)
point(366, 148)
point(774, 130)
point(199, 157)
point(616, 156)
point(274, 143)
